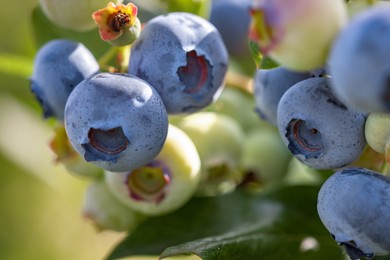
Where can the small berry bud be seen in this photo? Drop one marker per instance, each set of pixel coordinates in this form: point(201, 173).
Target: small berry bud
point(118, 24)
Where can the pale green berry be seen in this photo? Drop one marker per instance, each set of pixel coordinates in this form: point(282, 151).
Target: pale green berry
point(218, 139)
point(239, 105)
point(297, 34)
point(265, 155)
point(377, 131)
point(164, 184)
point(300, 174)
point(106, 212)
point(73, 14)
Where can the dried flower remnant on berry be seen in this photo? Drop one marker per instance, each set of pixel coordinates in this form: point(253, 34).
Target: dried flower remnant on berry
point(149, 183)
point(113, 19)
point(263, 29)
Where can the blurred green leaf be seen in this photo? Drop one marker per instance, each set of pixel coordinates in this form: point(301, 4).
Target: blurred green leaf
point(268, 63)
point(280, 223)
point(44, 31)
point(256, 54)
point(19, 66)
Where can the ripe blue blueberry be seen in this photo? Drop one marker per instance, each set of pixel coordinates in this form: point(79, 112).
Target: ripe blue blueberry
point(359, 61)
point(58, 67)
point(270, 85)
point(353, 204)
point(232, 19)
point(317, 128)
point(116, 121)
point(184, 58)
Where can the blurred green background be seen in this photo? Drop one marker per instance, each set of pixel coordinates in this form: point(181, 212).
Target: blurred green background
point(40, 203)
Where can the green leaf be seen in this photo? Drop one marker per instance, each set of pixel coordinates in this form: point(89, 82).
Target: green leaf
point(44, 31)
point(271, 225)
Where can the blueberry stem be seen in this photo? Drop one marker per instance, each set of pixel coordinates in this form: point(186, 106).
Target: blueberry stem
point(119, 55)
point(386, 169)
point(124, 57)
point(240, 81)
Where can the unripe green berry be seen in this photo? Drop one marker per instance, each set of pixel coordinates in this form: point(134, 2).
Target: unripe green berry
point(377, 131)
point(218, 139)
point(106, 212)
point(164, 184)
point(73, 14)
point(297, 34)
point(265, 155)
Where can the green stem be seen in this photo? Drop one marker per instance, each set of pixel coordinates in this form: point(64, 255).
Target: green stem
point(107, 57)
point(124, 58)
point(385, 168)
point(119, 55)
point(237, 80)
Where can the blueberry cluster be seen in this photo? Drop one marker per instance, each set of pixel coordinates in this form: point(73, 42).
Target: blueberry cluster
point(115, 118)
point(159, 126)
point(330, 116)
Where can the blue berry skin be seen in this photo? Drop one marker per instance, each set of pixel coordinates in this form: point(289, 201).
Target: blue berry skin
point(354, 205)
point(359, 61)
point(58, 67)
point(318, 129)
point(116, 121)
point(232, 19)
point(270, 85)
point(184, 58)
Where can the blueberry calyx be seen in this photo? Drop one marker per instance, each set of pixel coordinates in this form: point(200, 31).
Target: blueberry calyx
point(105, 145)
point(149, 183)
point(304, 140)
point(196, 73)
point(355, 253)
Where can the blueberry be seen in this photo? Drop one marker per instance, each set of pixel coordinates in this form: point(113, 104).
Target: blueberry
point(58, 67)
point(232, 19)
point(184, 58)
point(353, 204)
point(116, 121)
point(297, 34)
point(359, 61)
point(317, 128)
point(270, 85)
